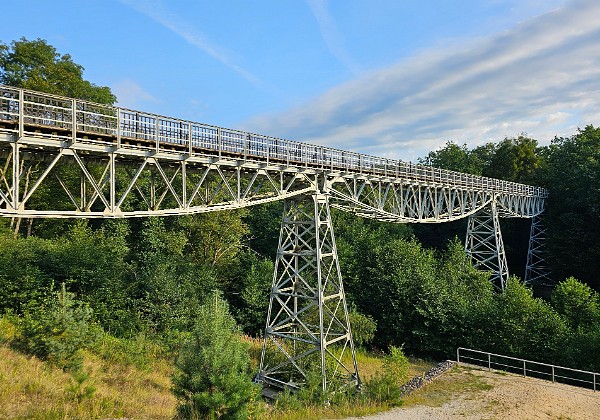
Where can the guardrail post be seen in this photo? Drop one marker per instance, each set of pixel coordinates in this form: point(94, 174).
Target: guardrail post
point(21, 113)
point(156, 128)
point(458, 355)
point(74, 120)
point(190, 150)
point(594, 382)
point(489, 361)
point(524, 369)
point(219, 141)
point(552, 373)
point(118, 128)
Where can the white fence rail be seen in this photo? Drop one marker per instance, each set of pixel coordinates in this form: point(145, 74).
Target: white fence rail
point(23, 112)
point(525, 367)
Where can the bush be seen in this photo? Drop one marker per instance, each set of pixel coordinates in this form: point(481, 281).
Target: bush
point(58, 331)
point(214, 378)
point(363, 328)
point(396, 365)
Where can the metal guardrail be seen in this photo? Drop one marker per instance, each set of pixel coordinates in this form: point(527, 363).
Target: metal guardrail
point(538, 370)
point(23, 111)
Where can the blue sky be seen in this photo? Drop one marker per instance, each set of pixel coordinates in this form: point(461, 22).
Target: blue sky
point(386, 77)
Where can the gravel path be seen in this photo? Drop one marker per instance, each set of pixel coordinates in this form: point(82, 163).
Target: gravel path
point(512, 397)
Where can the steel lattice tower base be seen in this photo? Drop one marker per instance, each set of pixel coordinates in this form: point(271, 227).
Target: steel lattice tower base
point(537, 271)
point(484, 246)
point(307, 328)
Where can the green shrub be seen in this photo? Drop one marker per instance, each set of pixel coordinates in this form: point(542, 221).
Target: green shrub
point(363, 328)
point(383, 389)
point(58, 331)
point(396, 366)
point(214, 378)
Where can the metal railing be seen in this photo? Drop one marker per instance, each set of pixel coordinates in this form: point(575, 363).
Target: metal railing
point(28, 112)
point(530, 368)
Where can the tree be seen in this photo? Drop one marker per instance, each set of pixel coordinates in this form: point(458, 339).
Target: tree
point(36, 65)
point(514, 160)
point(214, 367)
point(455, 158)
point(577, 303)
point(572, 175)
point(214, 239)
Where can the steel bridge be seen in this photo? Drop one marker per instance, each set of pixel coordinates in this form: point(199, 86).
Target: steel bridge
point(63, 157)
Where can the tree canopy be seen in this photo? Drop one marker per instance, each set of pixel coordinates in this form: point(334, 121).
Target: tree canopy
point(36, 65)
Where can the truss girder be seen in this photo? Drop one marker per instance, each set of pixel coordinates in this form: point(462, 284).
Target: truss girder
point(109, 183)
point(484, 246)
point(112, 175)
point(537, 271)
point(307, 325)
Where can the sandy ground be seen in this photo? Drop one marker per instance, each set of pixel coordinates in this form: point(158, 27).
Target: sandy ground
point(512, 397)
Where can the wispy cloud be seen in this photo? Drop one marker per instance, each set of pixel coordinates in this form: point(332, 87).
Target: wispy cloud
point(330, 34)
point(542, 77)
point(131, 95)
point(157, 11)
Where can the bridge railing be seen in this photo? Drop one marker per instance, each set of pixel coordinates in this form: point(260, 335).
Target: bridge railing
point(525, 367)
point(24, 111)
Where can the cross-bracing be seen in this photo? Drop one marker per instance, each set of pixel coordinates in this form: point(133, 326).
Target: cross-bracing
point(114, 162)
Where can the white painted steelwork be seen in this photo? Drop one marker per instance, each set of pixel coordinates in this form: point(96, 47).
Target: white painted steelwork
point(167, 164)
point(105, 161)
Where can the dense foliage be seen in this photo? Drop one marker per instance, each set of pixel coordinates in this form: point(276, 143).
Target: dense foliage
point(38, 66)
point(409, 287)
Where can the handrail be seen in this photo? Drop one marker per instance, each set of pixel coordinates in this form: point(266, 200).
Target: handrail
point(161, 133)
point(555, 377)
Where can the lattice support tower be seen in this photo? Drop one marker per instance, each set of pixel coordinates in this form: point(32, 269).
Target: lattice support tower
point(537, 270)
point(484, 246)
point(307, 327)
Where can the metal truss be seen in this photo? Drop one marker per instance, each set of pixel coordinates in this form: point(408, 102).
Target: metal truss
point(89, 183)
point(404, 201)
point(537, 270)
point(307, 327)
point(39, 132)
point(62, 157)
point(484, 246)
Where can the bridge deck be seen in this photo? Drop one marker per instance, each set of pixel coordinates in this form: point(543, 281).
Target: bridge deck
point(28, 113)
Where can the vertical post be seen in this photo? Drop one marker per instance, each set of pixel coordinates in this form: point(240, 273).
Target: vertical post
point(118, 128)
point(21, 113)
point(184, 184)
point(219, 140)
point(112, 182)
point(156, 130)
point(190, 128)
point(524, 369)
point(552, 373)
point(73, 120)
point(594, 382)
point(307, 322)
point(458, 355)
point(489, 361)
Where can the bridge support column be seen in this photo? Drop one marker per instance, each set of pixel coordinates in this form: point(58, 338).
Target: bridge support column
point(307, 329)
point(484, 246)
point(536, 270)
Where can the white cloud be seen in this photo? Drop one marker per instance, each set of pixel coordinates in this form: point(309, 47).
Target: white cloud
point(330, 34)
point(131, 95)
point(155, 10)
point(541, 77)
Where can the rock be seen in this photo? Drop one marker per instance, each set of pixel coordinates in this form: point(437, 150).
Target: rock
point(419, 381)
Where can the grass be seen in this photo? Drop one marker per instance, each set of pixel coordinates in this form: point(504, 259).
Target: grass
point(132, 379)
point(458, 381)
point(33, 389)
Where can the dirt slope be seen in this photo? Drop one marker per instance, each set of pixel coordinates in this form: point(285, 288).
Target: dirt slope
point(497, 396)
